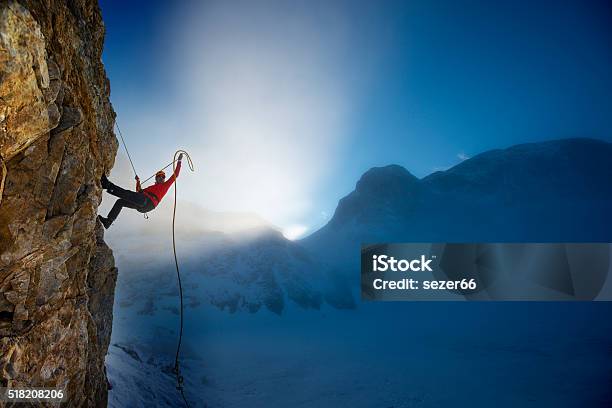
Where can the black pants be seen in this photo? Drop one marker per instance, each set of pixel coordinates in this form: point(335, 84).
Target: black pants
point(129, 199)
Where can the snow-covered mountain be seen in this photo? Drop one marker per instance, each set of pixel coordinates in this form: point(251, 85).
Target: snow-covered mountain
point(273, 322)
point(246, 272)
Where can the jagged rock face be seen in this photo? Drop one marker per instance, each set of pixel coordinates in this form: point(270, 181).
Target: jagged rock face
point(57, 275)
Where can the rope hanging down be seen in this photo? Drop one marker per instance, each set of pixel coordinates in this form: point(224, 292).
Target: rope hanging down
point(177, 370)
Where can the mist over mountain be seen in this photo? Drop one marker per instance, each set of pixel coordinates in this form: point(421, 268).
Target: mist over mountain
point(540, 192)
point(256, 270)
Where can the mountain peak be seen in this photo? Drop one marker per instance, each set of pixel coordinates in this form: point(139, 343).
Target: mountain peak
point(552, 190)
point(379, 180)
point(379, 191)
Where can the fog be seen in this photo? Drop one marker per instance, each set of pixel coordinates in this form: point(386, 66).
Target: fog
point(259, 94)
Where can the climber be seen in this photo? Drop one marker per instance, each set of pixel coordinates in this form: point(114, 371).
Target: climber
point(142, 200)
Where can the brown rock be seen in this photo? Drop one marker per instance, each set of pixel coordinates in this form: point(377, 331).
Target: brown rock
point(57, 276)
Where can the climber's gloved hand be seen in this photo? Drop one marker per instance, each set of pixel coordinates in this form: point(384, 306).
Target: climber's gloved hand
point(180, 157)
point(137, 178)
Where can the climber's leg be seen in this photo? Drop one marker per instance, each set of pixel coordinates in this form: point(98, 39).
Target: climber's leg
point(135, 198)
point(114, 212)
point(127, 198)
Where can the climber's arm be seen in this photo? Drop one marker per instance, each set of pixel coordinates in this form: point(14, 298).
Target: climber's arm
point(138, 187)
point(177, 170)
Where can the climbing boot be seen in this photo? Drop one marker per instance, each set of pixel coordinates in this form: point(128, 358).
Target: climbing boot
point(104, 181)
point(105, 221)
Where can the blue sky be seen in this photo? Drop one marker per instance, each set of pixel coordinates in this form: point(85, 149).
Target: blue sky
point(285, 104)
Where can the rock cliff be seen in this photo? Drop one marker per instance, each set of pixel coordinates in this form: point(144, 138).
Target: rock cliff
point(57, 276)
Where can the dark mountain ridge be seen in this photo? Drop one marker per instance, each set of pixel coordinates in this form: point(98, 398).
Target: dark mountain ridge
point(554, 191)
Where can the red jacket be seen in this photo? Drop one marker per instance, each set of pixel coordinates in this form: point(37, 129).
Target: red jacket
point(157, 191)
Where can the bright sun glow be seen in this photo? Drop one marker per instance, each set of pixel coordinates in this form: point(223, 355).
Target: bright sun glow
point(294, 232)
point(264, 103)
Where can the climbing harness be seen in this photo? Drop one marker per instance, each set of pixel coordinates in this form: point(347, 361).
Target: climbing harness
point(177, 368)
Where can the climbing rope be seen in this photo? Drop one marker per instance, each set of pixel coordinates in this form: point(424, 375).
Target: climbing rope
point(177, 370)
point(130, 158)
point(126, 149)
point(153, 175)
